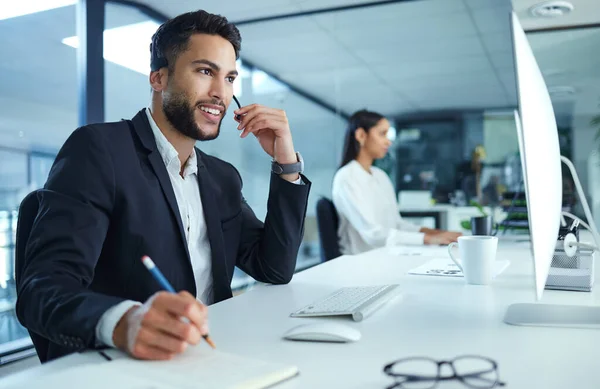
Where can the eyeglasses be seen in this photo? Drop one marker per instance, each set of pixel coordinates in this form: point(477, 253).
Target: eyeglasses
point(425, 373)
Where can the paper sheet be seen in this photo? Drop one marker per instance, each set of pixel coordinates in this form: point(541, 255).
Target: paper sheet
point(210, 369)
point(98, 376)
point(193, 369)
point(444, 267)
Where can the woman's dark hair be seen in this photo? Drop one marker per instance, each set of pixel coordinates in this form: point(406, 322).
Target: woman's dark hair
point(172, 37)
point(360, 119)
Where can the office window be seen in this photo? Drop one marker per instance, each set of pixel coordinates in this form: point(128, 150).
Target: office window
point(39, 168)
point(127, 37)
point(427, 154)
point(38, 111)
point(13, 177)
point(569, 62)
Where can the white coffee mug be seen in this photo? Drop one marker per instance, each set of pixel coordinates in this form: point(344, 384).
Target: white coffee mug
point(477, 256)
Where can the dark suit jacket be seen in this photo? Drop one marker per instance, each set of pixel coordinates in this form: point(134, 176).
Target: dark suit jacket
point(108, 201)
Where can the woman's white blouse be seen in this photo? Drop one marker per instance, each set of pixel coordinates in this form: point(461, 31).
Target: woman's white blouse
point(368, 212)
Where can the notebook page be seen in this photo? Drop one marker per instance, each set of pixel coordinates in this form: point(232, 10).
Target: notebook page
point(202, 367)
point(98, 376)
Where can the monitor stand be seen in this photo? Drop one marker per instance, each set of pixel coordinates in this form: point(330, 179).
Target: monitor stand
point(553, 315)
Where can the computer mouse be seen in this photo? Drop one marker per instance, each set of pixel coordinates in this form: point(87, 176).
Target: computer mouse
point(323, 332)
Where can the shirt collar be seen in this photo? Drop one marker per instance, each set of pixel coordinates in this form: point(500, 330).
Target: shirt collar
point(358, 167)
point(168, 153)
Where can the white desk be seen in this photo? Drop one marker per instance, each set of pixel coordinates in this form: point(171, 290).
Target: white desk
point(438, 317)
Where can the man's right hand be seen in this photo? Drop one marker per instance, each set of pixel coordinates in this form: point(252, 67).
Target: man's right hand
point(156, 330)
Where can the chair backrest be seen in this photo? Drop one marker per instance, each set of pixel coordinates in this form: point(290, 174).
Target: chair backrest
point(328, 222)
point(27, 213)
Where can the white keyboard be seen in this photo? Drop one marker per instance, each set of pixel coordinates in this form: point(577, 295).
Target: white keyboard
point(359, 302)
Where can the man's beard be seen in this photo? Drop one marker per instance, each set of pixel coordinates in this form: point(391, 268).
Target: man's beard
point(181, 116)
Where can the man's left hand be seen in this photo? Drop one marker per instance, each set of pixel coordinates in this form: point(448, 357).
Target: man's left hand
point(270, 126)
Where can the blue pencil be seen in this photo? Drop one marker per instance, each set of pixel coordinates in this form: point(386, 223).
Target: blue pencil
point(164, 283)
point(158, 276)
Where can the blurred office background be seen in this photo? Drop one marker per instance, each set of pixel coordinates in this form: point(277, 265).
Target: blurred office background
point(441, 70)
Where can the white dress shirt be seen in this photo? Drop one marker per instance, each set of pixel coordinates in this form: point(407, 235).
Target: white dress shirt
point(187, 194)
point(368, 212)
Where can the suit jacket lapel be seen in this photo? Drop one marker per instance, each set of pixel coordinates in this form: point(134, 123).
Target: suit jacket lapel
point(165, 183)
point(142, 128)
point(208, 194)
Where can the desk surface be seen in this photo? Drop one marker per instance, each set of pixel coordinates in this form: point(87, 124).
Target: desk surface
point(437, 317)
point(427, 208)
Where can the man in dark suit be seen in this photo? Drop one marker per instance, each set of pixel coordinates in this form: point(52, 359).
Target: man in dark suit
point(119, 191)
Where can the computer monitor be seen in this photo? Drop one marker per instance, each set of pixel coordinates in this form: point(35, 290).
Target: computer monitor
point(540, 156)
point(541, 161)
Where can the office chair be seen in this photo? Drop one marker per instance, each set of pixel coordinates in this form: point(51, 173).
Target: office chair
point(27, 213)
point(328, 222)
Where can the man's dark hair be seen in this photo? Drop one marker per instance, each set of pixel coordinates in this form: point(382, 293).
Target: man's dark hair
point(172, 37)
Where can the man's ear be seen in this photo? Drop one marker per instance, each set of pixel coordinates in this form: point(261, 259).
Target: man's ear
point(158, 79)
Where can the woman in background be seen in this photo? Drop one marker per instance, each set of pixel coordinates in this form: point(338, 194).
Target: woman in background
point(364, 195)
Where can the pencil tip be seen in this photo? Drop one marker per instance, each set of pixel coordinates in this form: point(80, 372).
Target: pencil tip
point(209, 341)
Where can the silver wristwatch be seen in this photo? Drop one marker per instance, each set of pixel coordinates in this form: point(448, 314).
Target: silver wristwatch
point(289, 168)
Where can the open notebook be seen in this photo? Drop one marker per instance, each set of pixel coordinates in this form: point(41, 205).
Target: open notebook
point(194, 369)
